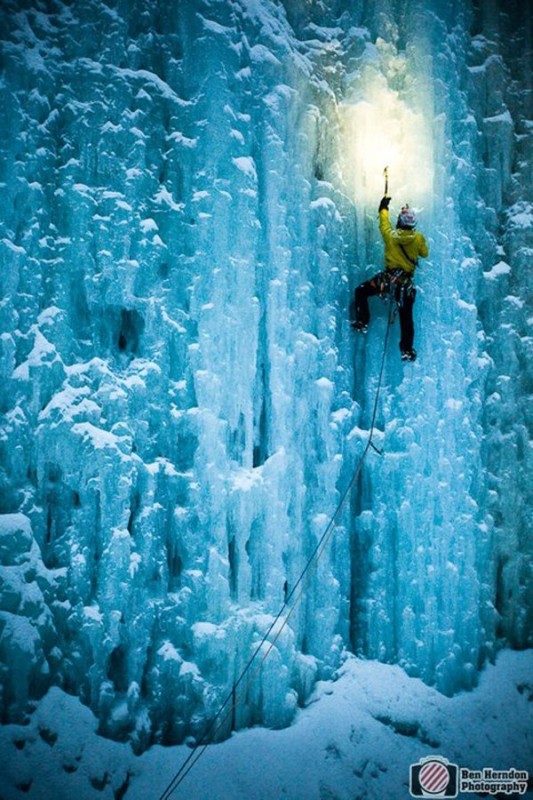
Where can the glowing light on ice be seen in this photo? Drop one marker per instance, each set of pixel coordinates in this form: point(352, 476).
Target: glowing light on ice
point(380, 131)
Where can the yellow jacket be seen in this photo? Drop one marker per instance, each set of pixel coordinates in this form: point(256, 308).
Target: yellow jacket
point(413, 242)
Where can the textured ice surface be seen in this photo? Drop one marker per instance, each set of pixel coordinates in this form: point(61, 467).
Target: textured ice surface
point(356, 739)
point(183, 401)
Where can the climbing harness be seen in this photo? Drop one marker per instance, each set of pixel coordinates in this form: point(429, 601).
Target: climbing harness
point(397, 284)
point(233, 698)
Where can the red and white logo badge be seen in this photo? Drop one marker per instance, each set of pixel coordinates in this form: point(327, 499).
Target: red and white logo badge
point(433, 776)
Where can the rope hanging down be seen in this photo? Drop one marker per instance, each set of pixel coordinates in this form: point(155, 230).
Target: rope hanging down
point(296, 592)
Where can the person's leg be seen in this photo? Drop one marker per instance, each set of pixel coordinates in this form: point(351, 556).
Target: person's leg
point(362, 293)
point(405, 310)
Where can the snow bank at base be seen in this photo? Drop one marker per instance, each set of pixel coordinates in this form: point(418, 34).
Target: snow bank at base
point(355, 740)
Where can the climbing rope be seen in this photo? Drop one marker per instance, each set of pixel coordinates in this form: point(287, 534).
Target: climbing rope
point(296, 592)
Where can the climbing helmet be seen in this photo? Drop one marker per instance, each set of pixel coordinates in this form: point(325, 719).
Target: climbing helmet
point(406, 218)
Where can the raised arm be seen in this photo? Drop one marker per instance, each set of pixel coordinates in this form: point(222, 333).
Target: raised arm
point(385, 226)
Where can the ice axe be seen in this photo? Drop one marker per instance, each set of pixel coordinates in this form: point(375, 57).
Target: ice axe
point(386, 174)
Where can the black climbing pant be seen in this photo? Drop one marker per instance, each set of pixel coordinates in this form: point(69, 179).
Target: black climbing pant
point(404, 295)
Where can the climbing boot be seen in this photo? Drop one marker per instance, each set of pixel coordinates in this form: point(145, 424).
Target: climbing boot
point(409, 355)
point(360, 327)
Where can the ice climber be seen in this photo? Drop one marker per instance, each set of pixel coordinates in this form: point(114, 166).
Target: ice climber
point(403, 247)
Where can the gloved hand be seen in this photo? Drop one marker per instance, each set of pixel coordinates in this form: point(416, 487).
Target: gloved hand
point(384, 205)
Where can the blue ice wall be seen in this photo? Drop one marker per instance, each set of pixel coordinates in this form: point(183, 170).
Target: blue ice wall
point(183, 400)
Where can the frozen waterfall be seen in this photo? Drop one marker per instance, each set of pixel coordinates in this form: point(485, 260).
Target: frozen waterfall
point(189, 196)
